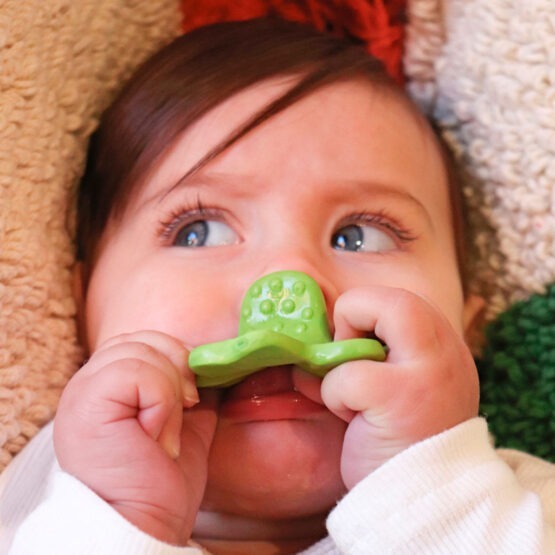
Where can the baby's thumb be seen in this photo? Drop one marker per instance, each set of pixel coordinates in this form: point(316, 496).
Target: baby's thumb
point(170, 435)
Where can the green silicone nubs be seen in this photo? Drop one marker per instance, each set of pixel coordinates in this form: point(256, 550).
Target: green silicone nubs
point(283, 321)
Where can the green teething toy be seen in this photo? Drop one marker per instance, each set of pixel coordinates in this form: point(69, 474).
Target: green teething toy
point(283, 321)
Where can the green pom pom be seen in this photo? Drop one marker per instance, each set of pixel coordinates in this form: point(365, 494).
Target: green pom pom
point(517, 373)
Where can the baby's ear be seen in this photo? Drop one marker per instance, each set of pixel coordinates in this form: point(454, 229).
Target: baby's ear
point(474, 322)
point(79, 294)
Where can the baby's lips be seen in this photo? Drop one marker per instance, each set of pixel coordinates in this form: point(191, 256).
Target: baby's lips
point(267, 381)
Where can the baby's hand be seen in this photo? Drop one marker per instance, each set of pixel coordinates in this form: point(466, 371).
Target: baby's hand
point(428, 383)
point(122, 430)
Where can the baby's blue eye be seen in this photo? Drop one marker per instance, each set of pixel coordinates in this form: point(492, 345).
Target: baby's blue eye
point(205, 233)
point(363, 238)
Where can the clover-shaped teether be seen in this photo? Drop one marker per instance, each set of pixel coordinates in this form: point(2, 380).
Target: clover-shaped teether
point(283, 321)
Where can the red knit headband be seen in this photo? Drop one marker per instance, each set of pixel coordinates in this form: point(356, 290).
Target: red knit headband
point(379, 24)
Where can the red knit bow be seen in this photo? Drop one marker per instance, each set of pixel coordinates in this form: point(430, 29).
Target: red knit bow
point(379, 24)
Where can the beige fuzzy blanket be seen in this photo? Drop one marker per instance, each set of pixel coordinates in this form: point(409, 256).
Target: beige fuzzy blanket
point(60, 63)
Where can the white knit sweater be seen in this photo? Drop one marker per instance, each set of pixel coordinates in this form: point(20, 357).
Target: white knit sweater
point(452, 493)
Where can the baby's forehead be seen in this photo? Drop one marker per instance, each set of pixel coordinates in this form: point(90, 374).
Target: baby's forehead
point(229, 117)
point(338, 132)
point(362, 114)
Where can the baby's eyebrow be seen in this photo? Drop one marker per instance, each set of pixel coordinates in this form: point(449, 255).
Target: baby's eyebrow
point(187, 180)
point(340, 187)
point(197, 181)
point(388, 191)
point(183, 181)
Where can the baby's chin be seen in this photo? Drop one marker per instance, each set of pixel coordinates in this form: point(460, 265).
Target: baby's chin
point(277, 469)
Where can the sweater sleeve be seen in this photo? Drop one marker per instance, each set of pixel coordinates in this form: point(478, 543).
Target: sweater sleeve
point(72, 519)
point(452, 493)
point(44, 510)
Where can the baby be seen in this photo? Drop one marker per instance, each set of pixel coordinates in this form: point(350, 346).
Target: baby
point(238, 150)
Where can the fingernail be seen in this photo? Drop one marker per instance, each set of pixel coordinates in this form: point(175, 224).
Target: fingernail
point(190, 393)
point(171, 445)
point(170, 441)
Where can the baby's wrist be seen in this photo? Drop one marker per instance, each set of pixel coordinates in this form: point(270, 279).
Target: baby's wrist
point(155, 522)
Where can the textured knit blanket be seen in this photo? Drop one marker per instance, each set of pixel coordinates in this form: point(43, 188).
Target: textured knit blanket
point(484, 69)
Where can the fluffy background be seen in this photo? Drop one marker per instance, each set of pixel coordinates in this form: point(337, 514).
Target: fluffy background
point(60, 63)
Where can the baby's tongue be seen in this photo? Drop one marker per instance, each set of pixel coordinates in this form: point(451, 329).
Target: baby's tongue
point(270, 381)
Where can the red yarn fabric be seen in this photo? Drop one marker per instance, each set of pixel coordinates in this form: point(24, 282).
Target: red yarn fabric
point(378, 24)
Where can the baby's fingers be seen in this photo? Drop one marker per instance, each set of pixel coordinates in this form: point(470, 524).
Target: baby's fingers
point(170, 436)
point(406, 322)
point(128, 400)
point(359, 386)
point(163, 343)
point(157, 348)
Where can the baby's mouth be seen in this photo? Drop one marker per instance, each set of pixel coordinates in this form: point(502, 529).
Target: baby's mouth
point(267, 395)
point(270, 381)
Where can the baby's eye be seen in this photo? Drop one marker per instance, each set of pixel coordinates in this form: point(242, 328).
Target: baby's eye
point(205, 233)
point(364, 238)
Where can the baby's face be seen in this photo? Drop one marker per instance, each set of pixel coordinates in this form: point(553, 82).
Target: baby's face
point(346, 186)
